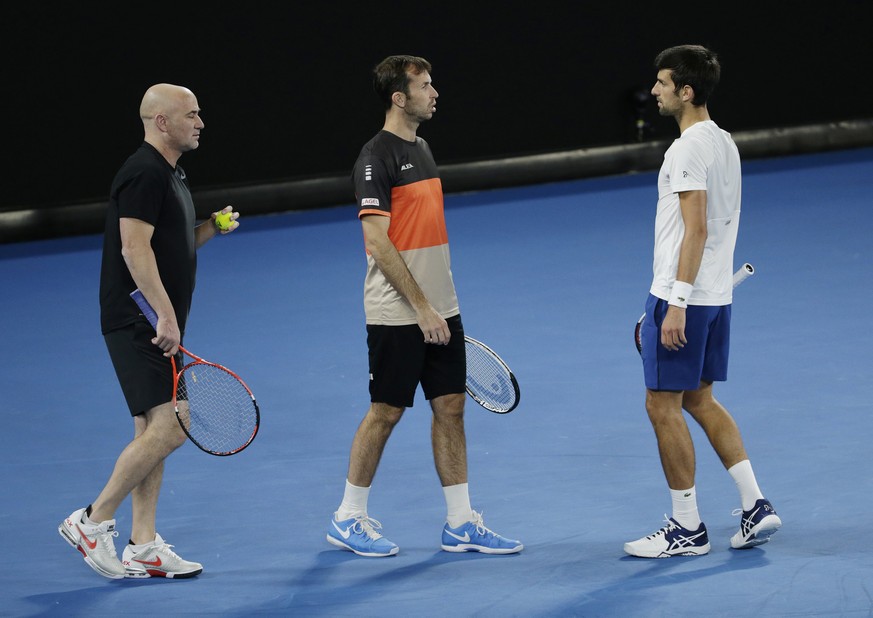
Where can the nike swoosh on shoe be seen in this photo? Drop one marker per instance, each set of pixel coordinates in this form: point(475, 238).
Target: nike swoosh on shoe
point(343, 533)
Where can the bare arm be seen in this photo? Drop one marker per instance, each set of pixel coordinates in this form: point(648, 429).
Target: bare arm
point(389, 261)
point(136, 248)
point(207, 230)
point(693, 207)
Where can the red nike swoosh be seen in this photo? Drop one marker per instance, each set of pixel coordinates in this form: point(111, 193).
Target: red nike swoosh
point(156, 562)
point(91, 544)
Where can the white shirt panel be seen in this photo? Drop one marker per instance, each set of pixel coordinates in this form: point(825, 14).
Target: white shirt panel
point(703, 158)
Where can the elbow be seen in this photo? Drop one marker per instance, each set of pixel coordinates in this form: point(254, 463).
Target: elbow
point(698, 234)
point(131, 252)
point(374, 247)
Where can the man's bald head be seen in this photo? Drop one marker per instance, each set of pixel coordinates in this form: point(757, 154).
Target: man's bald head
point(163, 99)
point(171, 120)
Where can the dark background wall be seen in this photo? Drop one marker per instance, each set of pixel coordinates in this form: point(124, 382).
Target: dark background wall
point(285, 87)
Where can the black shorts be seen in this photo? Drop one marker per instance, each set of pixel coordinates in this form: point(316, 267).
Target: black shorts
point(400, 360)
point(144, 373)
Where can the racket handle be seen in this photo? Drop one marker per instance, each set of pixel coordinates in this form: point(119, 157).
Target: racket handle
point(145, 307)
point(745, 271)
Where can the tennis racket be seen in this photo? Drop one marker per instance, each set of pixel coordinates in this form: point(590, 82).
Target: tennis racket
point(489, 381)
point(214, 406)
point(745, 271)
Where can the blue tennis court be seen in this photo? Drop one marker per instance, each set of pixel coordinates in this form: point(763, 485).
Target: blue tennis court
point(553, 277)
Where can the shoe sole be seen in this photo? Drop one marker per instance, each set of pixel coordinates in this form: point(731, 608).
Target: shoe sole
point(65, 534)
point(761, 533)
point(481, 549)
point(134, 574)
point(341, 545)
point(696, 551)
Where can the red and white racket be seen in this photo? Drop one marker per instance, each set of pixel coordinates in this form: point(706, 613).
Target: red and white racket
point(214, 406)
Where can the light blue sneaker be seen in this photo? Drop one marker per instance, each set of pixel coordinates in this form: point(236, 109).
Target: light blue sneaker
point(359, 534)
point(474, 536)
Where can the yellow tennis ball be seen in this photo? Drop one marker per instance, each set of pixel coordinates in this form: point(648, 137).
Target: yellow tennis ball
point(223, 221)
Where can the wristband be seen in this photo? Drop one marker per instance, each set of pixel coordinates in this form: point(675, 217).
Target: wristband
point(680, 294)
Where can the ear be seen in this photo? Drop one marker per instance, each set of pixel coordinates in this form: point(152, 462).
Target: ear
point(161, 122)
point(399, 99)
point(687, 93)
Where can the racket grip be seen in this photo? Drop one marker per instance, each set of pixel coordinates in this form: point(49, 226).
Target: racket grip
point(145, 307)
point(745, 271)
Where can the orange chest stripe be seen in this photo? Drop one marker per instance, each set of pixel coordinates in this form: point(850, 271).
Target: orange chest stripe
point(417, 218)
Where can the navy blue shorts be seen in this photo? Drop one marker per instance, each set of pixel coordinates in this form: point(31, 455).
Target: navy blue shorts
point(703, 359)
point(144, 373)
point(400, 360)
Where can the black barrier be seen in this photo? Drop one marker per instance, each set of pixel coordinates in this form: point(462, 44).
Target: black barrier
point(304, 194)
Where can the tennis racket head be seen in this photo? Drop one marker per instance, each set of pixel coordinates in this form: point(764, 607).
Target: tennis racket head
point(490, 382)
point(637, 339)
point(215, 408)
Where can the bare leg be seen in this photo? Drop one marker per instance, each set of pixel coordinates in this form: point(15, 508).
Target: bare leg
point(139, 470)
point(369, 442)
point(716, 421)
point(449, 439)
point(674, 440)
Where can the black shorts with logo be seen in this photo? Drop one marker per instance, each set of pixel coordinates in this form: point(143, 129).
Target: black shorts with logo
point(400, 360)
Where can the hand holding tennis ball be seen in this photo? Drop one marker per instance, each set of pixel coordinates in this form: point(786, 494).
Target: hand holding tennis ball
point(224, 220)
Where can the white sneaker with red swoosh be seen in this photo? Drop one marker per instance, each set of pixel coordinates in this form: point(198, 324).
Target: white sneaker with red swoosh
point(157, 559)
point(94, 542)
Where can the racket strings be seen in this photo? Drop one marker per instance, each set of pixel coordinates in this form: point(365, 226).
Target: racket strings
point(488, 379)
point(215, 408)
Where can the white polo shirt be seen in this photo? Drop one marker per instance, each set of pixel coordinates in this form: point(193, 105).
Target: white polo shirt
point(703, 158)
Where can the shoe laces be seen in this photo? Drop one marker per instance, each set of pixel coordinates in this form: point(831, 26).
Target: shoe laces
point(367, 525)
point(479, 522)
point(671, 525)
point(737, 512)
point(166, 548)
point(104, 533)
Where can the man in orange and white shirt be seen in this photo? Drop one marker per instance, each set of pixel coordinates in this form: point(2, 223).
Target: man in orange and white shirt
point(414, 330)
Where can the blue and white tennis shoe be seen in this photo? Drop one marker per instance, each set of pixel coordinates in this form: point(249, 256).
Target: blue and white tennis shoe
point(671, 540)
point(360, 535)
point(474, 536)
point(757, 525)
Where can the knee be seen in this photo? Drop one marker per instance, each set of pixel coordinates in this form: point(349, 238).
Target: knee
point(659, 412)
point(176, 438)
point(449, 406)
point(384, 414)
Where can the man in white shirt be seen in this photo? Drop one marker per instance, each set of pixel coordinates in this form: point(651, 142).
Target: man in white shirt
point(686, 332)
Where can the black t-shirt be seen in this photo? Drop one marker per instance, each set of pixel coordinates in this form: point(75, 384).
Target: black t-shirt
point(148, 188)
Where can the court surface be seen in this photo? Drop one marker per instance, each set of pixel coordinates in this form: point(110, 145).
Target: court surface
point(553, 277)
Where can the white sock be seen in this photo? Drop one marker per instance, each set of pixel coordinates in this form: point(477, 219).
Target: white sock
point(746, 483)
point(685, 508)
point(354, 502)
point(458, 504)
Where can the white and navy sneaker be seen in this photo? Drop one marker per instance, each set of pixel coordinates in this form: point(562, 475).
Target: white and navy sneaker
point(671, 540)
point(757, 525)
point(474, 536)
point(359, 534)
point(157, 559)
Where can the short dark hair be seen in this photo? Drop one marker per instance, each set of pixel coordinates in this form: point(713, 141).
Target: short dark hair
point(392, 75)
point(691, 65)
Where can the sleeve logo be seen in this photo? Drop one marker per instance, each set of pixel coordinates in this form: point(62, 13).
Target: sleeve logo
point(370, 201)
